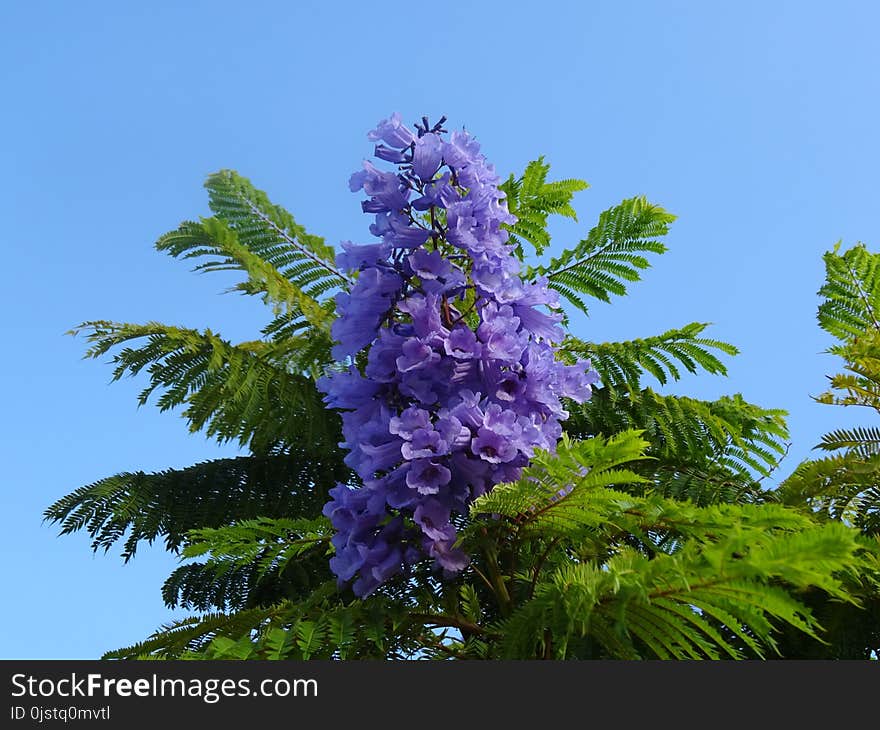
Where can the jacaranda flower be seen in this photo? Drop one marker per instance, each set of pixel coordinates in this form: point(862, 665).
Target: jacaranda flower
point(450, 379)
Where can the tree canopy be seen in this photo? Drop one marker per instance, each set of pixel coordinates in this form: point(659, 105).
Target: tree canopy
point(642, 530)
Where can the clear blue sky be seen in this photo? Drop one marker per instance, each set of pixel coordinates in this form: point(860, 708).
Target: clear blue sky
point(754, 122)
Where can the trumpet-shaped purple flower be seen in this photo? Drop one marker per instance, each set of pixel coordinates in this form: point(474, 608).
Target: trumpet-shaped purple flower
point(439, 193)
point(462, 343)
point(361, 311)
point(575, 381)
point(427, 476)
point(461, 151)
point(389, 154)
point(385, 189)
point(400, 234)
point(433, 517)
point(415, 354)
point(436, 274)
point(424, 312)
point(393, 132)
point(491, 446)
point(423, 386)
point(410, 420)
point(427, 154)
point(347, 389)
point(425, 443)
point(510, 387)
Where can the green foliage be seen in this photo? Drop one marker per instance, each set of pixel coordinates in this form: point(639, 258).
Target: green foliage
point(532, 200)
point(860, 384)
point(252, 392)
point(738, 437)
point(612, 254)
point(844, 486)
point(320, 626)
point(703, 451)
point(704, 601)
point(183, 637)
point(637, 577)
point(543, 500)
point(214, 237)
point(251, 562)
point(565, 565)
point(863, 441)
point(135, 506)
point(647, 535)
point(270, 231)
point(621, 365)
point(289, 267)
point(851, 293)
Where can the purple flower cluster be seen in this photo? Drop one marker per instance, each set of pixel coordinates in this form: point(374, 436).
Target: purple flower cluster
point(451, 380)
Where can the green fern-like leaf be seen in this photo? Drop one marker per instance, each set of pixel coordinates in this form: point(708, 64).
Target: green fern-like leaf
point(612, 254)
point(851, 292)
point(541, 499)
point(194, 634)
point(704, 600)
point(271, 232)
point(136, 507)
point(621, 364)
point(215, 238)
point(532, 200)
point(254, 392)
point(686, 432)
point(844, 487)
point(863, 440)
